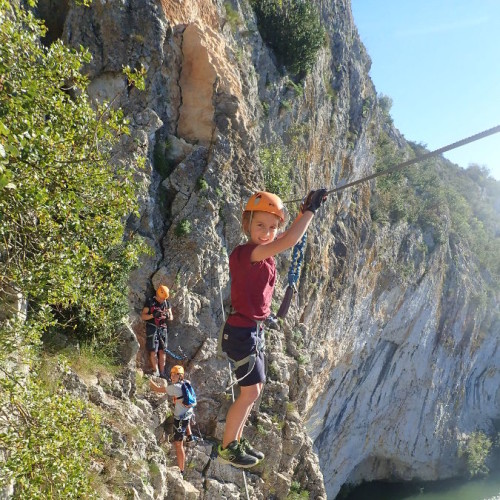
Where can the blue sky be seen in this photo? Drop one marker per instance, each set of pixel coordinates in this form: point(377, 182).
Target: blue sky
point(439, 61)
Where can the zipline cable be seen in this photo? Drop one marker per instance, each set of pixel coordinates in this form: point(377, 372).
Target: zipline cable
point(467, 140)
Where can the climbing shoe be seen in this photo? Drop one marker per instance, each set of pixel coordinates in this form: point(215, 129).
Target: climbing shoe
point(234, 455)
point(247, 448)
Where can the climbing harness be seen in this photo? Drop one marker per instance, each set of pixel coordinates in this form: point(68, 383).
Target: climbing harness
point(250, 359)
point(293, 276)
point(298, 252)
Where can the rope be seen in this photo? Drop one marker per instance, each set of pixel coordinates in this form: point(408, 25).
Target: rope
point(224, 320)
point(175, 356)
point(297, 258)
point(400, 166)
point(293, 276)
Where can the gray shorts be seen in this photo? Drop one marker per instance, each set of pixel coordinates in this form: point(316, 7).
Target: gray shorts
point(156, 339)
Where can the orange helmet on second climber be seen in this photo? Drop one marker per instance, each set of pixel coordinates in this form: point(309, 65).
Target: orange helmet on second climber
point(177, 370)
point(262, 201)
point(163, 292)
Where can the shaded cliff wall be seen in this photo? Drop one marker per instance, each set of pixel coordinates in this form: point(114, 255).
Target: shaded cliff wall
point(384, 368)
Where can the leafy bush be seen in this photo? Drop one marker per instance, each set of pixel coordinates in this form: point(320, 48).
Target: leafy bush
point(277, 171)
point(183, 228)
point(63, 204)
point(63, 201)
point(442, 198)
point(385, 105)
point(48, 439)
point(52, 441)
point(232, 16)
point(296, 492)
point(475, 451)
point(201, 184)
point(293, 31)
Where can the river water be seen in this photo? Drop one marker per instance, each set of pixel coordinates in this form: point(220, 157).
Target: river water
point(479, 489)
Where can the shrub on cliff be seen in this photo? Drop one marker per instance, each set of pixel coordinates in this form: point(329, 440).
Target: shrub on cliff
point(277, 170)
point(475, 450)
point(63, 200)
point(63, 204)
point(293, 31)
point(49, 439)
point(442, 199)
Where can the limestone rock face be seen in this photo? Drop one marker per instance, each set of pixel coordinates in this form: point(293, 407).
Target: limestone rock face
point(389, 354)
point(419, 371)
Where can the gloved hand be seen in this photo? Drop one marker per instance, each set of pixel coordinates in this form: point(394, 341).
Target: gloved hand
point(313, 200)
point(157, 313)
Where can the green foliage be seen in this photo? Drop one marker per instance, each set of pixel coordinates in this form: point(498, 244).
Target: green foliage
point(330, 91)
point(277, 171)
point(296, 87)
point(296, 492)
point(136, 77)
point(261, 430)
point(385, 103)
point(442, 199)
point(183, 228)
point(367, 105)
point(63, 204)
point(265, 108)
point(201, 184)
point(49, 438)
point(286, 105)
point(475, 451)
point(232, 16)
point(87, 360)
point(161, 163)
point(273, 371)
point(63, 201)
point(302, 359)
point(293, 31)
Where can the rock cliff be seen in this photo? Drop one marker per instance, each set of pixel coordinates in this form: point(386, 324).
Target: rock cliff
point(376, 373)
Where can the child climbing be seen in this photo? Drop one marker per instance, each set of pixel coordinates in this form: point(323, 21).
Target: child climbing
point(155, 313)
point(183, 410)
point(253, 275)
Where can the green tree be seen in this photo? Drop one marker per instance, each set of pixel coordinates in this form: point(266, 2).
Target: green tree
point(50, 442)
point(63, 200)
point(475, 451)
point(63, 204)
point(293, 30)
point(277, 170)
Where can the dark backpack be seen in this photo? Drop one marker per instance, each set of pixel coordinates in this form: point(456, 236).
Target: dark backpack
point(188, 395)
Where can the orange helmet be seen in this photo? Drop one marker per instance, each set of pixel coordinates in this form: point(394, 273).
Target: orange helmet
point(263, 201)
point(163, 292)
point(177, 370)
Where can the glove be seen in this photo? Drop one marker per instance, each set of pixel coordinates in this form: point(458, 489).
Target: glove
point(313, 200)
point(157, 314)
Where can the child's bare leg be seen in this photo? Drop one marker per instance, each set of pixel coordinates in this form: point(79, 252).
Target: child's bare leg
point(240, 430)
point(239, 411)
point(153, 360)
point(161, 355)
point(180, 453)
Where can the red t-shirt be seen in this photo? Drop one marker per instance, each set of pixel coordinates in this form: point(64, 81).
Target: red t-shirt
point(252, 286)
